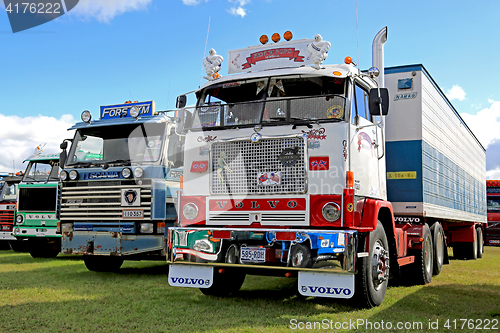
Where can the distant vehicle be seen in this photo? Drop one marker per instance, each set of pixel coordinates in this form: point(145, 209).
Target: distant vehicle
point(119, 185)
point(8, 198)
point(38, 207)
point(492, 232)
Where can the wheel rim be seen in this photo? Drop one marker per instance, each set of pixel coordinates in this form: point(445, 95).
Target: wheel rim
point(232, 255)
point(380, 264)
point(427, 254)
point(440, 249)
point(298, 258)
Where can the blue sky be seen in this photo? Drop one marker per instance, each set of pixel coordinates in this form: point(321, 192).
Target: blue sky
point(109, 51)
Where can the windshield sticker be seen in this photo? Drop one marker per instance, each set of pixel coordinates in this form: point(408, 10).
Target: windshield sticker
point(260, 87)
point(335, 112)
point(231, 85)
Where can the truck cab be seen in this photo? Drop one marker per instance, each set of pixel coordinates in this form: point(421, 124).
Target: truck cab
point(38, 207)
point(119, 185)
point(8, 198)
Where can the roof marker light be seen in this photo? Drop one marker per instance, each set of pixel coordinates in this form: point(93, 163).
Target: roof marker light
point(86, 116)
point(264, 39)
point(288, 35)
point(276, 37)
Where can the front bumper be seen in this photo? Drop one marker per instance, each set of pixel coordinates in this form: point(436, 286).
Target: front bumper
point(329, 250)
point(109, 243)
point(22, 232)
point(6, 235)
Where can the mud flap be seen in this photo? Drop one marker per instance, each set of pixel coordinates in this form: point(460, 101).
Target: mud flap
point(190, 276)
point(323, 284)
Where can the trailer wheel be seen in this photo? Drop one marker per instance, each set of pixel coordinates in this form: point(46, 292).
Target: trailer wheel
point(480, 245)
point(102, 264)
point(439, 248)
point(424, 259)
point(373, 271)
point(225, 284)
point(300, 256)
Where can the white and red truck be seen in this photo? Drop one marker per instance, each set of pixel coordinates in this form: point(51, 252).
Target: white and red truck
point(299, 169)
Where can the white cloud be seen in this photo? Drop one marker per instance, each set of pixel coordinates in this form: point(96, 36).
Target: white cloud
point(191, 2)
point(21, 135)
point(106, 10)
point(238, 9)
point(456, 92)
point(238, 12)
point(493, 174)
point(485, 124)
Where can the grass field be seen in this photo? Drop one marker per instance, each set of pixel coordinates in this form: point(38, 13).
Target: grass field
point(61, 295)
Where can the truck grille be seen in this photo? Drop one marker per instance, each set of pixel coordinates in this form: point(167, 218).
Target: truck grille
point(100, 201)
point(237, 165)
point(7, 216)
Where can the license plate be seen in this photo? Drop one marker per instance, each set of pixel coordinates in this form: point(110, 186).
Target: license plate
point(253, 254)
point(133, 214)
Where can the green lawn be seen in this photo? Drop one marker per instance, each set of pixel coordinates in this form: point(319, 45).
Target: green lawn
point(61, 295)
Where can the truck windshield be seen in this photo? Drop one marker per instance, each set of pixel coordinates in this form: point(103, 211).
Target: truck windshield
point(8, 191)
point(42, 171)
point(124, 144)
point(270, 101)
point(494, 204)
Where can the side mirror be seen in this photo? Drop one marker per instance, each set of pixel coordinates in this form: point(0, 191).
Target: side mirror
point(181, 101)
point(64, 154)
point(376, 101)
point(63, 145)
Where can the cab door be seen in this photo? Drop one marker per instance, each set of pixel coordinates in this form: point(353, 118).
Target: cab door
point(364, 144)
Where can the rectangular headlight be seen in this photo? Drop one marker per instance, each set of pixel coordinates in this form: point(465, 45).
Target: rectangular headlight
point(146, 228)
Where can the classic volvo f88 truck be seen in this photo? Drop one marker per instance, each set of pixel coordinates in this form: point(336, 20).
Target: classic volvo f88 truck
point(295, 168)
point(118, 185)
point(38, 207)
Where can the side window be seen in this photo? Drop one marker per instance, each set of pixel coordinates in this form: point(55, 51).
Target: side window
point(360, 104)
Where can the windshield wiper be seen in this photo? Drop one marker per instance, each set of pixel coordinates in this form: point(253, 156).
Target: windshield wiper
point(125, 162)
point(79, 164)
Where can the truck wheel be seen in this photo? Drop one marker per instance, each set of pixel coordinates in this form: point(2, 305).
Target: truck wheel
point(424, 259)
point(102, 264)
point(225, 283)
point(44, 248)
point(4, 245)
point(19, 245)
point(439, 248)
point(480, 245)
point(373, 271)
point(300, 256)
point(233, 254)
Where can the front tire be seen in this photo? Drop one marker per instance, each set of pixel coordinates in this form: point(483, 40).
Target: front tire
point(44, 248)
point(373, 271)
point(480, 245)
point(102, 264)
point(225, 284)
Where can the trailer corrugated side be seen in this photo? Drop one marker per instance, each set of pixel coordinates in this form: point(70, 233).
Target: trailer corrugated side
point(436, 167)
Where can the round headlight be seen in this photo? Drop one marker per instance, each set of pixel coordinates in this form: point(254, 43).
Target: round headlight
point(126, 173)
point(73, 175)
point(190, 211)
point(19, 219)
point(134, 111)
point(63, 175)
point(138, 172)
point(331, 211)
point(86, 116)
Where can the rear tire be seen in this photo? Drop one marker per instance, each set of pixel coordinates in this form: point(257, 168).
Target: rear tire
point(225, 284)
point(439, 247)
point(102, 264)
point(373, 271)
point(424, 259)
point(480, 244)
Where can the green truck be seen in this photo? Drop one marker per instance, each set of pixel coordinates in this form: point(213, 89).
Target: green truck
point(38, 207)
